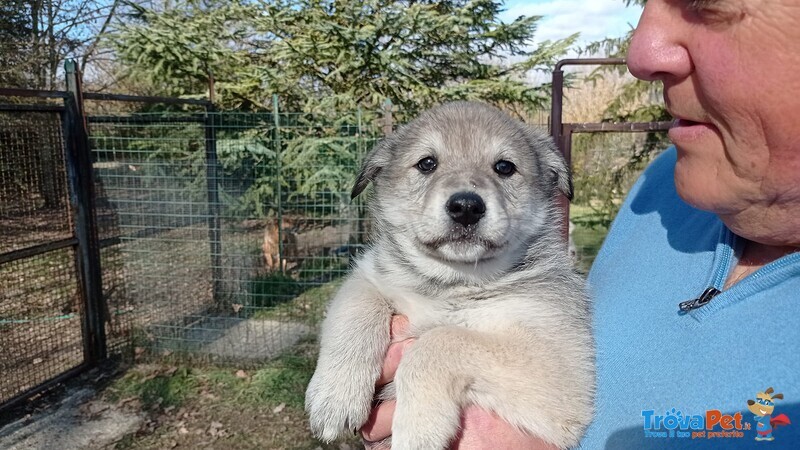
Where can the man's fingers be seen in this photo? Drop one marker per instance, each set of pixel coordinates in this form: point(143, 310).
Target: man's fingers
point(399, 332)
point(379, 424)
point(392, 359)
point(398, 329)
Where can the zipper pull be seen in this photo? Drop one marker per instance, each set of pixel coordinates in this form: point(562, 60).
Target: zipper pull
point(704, 298)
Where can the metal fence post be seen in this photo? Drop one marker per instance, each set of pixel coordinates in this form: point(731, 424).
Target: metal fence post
point(361, 213)
point(81, 175)
point(556, 105)
point(277, 141)
point(563, 140)
point(388, 122)
point(212, 179)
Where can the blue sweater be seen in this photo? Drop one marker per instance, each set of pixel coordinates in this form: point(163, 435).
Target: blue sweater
point(705, 363)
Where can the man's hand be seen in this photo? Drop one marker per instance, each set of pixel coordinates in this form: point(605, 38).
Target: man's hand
point(479, 429)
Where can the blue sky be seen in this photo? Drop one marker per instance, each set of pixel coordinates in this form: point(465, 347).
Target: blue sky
point(594, 19)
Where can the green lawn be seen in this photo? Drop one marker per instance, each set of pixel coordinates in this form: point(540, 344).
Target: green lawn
point(587, 240)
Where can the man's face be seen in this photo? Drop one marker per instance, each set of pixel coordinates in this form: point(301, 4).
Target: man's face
point(731, 75)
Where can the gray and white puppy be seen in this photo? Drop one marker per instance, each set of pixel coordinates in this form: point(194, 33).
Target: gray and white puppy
point(466, 244)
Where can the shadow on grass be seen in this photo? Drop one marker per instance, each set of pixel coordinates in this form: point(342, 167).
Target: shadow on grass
point(301, 297)
point(272, 289)
point(154, 388)
point(162, 385)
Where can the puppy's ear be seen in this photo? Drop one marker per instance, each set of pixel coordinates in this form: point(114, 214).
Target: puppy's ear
point(373, 163)
point(553, 161)
point(368, 173)
point(562, 174)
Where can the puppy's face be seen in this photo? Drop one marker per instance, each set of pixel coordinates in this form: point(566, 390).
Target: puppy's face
point(463, 189)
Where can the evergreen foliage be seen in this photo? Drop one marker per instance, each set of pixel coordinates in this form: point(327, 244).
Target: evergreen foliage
point(322, 56)
point(336, 63)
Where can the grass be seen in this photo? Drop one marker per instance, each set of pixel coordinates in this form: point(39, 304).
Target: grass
point(587, 240)
point(275, 288)
point(272, 289)
point(154, 386)
point(282, 380)
point(307, 307)
point(222, 407)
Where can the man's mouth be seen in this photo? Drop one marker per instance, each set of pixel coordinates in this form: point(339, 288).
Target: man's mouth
point(688, 123)
point(685, 130)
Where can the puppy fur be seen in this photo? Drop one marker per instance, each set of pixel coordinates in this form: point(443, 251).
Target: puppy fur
point(501, 318)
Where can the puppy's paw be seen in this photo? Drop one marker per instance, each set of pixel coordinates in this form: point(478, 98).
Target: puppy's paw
point(419, 430)
point(338, 404)
point(427, 417)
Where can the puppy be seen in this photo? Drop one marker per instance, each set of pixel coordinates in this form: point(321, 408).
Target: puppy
point(466, 245)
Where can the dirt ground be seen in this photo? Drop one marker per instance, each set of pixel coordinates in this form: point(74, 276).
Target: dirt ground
point(166, 406)
point(78, 420)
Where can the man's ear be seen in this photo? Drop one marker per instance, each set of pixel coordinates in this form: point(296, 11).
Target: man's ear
point(553, 161)
point(373, 163)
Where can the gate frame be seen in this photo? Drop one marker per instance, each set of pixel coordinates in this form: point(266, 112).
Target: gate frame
point(562, 132)
point(79, 175)
point(81, 189)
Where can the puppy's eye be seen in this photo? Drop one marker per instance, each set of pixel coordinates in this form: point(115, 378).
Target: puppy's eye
point(505, 168)
point(426, 165)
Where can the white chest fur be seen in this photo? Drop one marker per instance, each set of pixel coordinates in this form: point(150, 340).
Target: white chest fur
point(460, 306)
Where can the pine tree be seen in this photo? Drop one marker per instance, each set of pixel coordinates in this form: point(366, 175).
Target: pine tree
point(322, 55)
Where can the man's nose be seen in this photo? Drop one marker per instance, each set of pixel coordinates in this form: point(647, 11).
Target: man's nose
point(657, 50)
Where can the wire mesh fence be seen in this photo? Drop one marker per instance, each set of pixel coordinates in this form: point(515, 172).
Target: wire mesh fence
point(50, 311)
point(40, 329)
point(40, 307)
point(241, 267)
point(221, 235)
point(33, 194)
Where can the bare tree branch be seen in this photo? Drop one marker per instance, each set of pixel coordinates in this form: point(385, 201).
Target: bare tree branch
point(98, 36)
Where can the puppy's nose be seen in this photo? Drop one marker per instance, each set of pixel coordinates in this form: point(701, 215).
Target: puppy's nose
point(466, 208)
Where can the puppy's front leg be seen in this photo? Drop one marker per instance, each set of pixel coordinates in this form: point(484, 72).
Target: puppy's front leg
point(434, 382)
point(513, 373)
point(355, 335)
point(431, 385)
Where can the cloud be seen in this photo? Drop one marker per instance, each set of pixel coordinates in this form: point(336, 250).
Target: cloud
point(593, 19)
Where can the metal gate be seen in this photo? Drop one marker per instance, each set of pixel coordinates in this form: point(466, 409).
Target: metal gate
point(562, 132)
point(51, 313)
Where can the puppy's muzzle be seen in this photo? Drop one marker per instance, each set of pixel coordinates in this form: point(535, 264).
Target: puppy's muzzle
point(465, 208)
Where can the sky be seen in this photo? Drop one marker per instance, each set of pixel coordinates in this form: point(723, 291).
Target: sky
point(594, 19)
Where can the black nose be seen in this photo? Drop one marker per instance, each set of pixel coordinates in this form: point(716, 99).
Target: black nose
point(466, 208)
